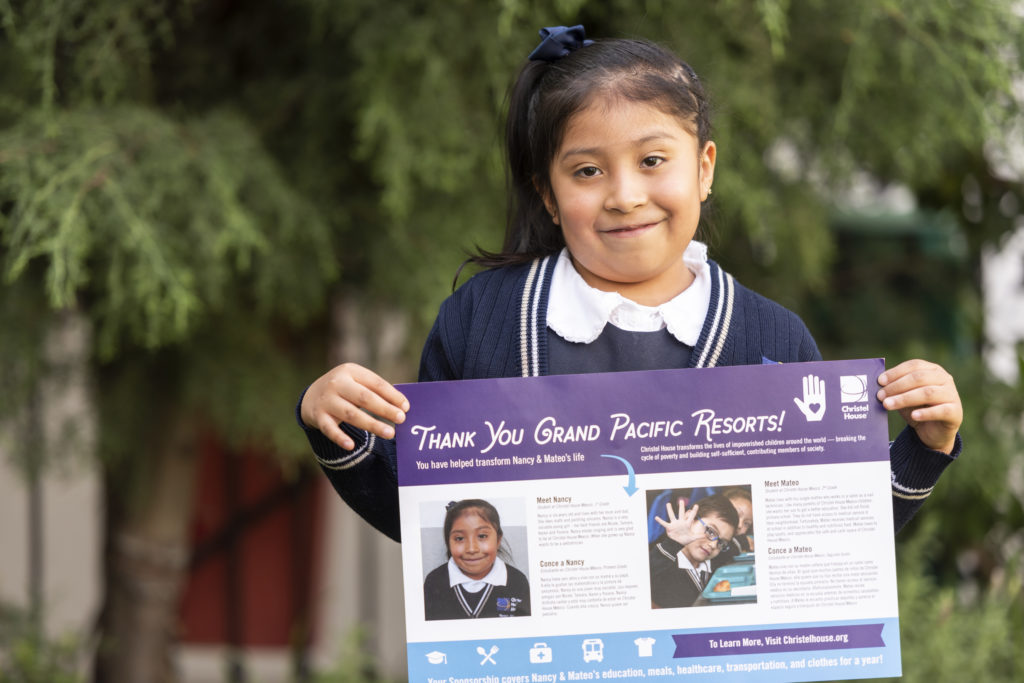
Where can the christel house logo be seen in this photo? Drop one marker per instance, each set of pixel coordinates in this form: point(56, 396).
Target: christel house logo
point(853, 388)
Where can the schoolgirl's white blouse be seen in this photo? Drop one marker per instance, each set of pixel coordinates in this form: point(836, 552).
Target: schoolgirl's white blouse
point(578, 312)
point(498, 576)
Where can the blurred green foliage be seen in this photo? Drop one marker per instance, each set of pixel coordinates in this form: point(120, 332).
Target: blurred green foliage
point(354, 664)
point(27, 656)
point(946, 635)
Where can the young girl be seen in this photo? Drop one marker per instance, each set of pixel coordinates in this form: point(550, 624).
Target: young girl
point(475, 582)
point(610, 163)
point(681, 559)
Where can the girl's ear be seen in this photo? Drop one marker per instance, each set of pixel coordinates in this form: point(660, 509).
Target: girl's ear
point(549, 202)
point(707, 168)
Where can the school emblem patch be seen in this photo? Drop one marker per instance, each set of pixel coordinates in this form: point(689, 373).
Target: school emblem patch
point(507, 606)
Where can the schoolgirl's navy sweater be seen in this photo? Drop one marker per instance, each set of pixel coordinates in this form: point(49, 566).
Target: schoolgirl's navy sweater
point(495, 325)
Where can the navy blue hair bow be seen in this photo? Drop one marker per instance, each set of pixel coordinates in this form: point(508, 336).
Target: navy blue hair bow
point(559, 41)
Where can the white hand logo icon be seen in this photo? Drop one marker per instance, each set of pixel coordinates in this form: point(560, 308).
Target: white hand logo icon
point(813, 403)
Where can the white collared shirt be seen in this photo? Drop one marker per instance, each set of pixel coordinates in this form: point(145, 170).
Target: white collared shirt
point(498, 576)
point(683, 562)
point(578, 312)
point(699, 574)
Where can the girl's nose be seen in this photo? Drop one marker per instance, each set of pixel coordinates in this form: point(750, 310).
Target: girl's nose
point(626, 192)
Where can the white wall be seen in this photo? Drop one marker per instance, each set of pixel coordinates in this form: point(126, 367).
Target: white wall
point(1003, 289)
point(71, 499)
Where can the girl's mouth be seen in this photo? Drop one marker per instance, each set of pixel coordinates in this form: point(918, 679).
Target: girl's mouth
point(634, 229)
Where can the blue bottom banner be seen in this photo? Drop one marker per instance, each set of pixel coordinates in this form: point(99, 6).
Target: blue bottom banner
point(800, 652)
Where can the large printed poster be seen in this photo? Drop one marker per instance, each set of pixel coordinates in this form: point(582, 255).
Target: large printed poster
point(719, 524)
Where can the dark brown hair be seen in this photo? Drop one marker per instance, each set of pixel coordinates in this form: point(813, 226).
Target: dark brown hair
point(481, 507)
point(720, 506)
point(542, 101)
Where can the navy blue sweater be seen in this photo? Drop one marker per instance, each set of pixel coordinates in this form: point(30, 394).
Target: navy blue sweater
point(495, 326)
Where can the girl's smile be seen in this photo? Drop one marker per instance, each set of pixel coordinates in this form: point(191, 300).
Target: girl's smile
point(627, 185)
point(473, 544)
point(631, 230)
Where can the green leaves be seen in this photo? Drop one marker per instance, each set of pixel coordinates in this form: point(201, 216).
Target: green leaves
point(154, 223)
point(943, 630)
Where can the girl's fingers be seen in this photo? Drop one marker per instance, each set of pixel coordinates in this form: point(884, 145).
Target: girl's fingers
point(368, 392)
point(660, 521)
point(916, 383)
point(945, 412)
point(332, 431)
point(927, 398)
point(355, 395)
point(380, 387)
point(930, 395)
point(671, 513)
point(340, 410)
point(906, 367)
point(910, 374)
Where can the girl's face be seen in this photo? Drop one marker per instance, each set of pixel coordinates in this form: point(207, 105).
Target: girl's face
point(745, 511)
point(473, 544)
point(626, 188)
point(704, 548)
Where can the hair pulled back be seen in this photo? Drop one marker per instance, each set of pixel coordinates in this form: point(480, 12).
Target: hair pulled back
point(454, 510)
point(542, 101)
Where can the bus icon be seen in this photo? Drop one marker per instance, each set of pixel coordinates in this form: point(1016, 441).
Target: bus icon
point(593, 650)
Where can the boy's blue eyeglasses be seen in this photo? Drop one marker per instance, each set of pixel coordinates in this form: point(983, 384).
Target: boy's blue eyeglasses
point(712, 536)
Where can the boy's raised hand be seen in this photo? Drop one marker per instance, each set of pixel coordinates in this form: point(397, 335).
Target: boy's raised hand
point(926, 396)
point(679, 529)
point(344, 394)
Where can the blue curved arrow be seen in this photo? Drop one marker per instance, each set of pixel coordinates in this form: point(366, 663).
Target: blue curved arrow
point(630, 486)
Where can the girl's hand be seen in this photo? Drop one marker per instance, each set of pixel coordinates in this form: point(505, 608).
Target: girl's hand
point(344, 394)
point(680, 529)
point(926, 396)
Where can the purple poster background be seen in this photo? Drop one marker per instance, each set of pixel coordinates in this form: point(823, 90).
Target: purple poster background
point(656, 421)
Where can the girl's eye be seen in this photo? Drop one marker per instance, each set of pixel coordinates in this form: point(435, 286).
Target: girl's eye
point(651, 162)
point(588, 171)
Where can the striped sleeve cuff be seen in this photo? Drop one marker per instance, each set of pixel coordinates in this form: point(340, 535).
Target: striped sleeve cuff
point(329, 454)
point(915, 467)
point(332, 456)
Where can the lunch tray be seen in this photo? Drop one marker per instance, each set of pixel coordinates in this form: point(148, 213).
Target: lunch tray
point(744, 584)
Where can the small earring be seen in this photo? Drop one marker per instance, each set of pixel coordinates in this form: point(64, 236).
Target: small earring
point(709, 191)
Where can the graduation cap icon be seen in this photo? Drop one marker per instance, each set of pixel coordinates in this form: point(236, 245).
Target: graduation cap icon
point(436, 657)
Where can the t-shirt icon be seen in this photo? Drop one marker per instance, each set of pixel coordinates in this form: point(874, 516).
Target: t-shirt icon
point(644, 646)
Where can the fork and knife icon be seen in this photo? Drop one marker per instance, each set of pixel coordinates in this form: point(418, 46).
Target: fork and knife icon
point(487, 656)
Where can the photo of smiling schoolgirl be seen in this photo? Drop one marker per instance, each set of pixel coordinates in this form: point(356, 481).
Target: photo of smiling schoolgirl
point(477, 580)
